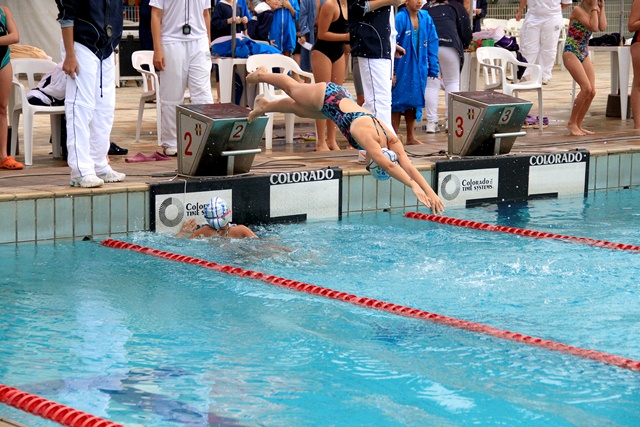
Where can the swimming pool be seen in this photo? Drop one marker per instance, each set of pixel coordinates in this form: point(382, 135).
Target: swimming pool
point(150, 342)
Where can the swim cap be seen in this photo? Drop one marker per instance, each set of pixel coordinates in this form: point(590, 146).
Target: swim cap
point(217, 213)
point(376, 171)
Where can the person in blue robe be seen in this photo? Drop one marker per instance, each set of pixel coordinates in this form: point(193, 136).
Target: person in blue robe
point(412, 69)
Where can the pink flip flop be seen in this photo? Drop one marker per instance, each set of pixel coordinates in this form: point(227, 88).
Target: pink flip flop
point(158, 156)
point(139, 158)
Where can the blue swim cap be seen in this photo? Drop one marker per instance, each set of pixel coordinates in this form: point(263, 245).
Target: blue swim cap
point(376, 171)
point(217, 213)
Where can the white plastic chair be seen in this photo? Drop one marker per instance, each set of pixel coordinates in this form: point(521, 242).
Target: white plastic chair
point(562, 38)
point(282, 64)
point(18, 105)
point(150, 85)
point(513, 28)
point(489, 23)
point(499, 64)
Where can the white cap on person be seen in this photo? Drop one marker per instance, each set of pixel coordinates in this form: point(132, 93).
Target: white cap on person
point(217, 213)
point(376, 171)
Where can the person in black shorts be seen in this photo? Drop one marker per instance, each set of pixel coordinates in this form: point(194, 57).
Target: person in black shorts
point(361, 127)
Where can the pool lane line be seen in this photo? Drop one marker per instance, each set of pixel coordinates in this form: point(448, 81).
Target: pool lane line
point(400, 310)
point(521, 231)
point(50, 410)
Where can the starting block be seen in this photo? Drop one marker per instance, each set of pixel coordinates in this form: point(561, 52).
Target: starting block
point(217, 139)
point(485, 123)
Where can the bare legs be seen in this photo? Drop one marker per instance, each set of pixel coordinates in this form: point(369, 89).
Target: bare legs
point(635, 88)
point(410, 119)
point(584, 75)
point(6, 74)
point(326, 71)
point(305, 100)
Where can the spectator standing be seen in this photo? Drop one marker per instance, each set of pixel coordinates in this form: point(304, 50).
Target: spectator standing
point(181, 34)
point(373, 41)
point(8, 36)
point(417, 35)
point(283, 29)
point(634, 27)
point(540, 32)
point(259, 26)
point(144, 26)
point(587, 17)
point(328, 61)
point(91, 30)
point(222, 19)
point(479, 13)
point(454, 32)
point(306, 29)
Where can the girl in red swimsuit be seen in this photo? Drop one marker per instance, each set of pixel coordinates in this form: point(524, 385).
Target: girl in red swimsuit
point(361, 127)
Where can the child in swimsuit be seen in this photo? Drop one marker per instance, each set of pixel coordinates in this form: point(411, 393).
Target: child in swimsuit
point(218, 216)
point(9, 33)
point(587, 17)
point(328, 60)
point(634, 27)
point(362, 128)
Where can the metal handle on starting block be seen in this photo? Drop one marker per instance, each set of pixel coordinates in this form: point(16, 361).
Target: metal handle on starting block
point(232, 153)
point(499, 136)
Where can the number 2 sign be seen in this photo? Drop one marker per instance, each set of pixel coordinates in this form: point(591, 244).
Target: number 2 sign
point(237, 131)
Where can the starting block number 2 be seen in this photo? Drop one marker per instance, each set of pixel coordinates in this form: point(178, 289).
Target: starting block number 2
point(237, 131)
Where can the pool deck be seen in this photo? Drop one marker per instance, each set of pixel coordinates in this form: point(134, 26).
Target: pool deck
point(50, 177)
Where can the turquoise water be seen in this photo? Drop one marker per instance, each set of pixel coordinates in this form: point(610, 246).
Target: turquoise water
point(149, 342)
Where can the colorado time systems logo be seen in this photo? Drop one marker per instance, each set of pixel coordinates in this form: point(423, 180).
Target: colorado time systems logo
point(171, 212)
point(452, 185)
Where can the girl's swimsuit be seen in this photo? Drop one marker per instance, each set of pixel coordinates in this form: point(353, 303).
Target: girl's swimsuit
point(5, 52)
point(578, 40)
point(331, 49)
point(332, 96)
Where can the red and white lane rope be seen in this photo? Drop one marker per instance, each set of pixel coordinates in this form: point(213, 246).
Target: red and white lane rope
point(383, 306)
point(50, 410)
point(520, 231)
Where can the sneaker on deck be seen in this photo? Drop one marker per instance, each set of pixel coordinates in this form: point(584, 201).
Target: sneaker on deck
point(170, 151)
point(432, 127)
point(112, 176)
point(87, 181)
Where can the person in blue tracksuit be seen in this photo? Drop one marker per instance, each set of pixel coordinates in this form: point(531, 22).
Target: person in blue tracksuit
point(412, 70)
point(283, 27)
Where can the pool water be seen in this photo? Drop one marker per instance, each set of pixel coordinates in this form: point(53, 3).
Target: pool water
point(144, 341)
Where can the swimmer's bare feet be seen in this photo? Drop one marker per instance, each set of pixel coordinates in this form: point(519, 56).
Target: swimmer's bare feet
point(259, 108)
point(254, 77)
point(587, 132)
point(575, 130)
point(333, 145)
point(414, 141)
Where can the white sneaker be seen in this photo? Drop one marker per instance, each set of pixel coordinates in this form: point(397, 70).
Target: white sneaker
point(88, 181)
point(546, 81)
point(112, 176)
point(362, 157)
point(170, 151)
point(432, 127)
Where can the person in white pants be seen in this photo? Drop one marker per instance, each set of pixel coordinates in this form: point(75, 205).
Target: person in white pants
point(88, 42)
point(539, 33)
point(449, 81)
point(181, 32)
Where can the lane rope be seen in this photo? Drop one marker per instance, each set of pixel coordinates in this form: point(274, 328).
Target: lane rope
point(520, 231)
point(50, 410)
point(400, 310)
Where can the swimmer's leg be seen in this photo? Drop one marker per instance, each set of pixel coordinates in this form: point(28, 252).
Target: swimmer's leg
point(308, 95)
point(285, 105)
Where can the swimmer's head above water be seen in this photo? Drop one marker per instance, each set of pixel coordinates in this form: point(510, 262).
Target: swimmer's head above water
point(217, 213)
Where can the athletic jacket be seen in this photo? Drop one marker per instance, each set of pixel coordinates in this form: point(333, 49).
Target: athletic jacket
point(283, 27)
point(91, 20)
point(452, 24)
point(370, 32)
point(413, 68)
